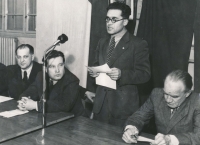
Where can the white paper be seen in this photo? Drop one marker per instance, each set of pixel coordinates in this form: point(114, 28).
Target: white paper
point(104, 80)
point(144, 139)
point(100, 69)
point(3, 99)
point(12, 113)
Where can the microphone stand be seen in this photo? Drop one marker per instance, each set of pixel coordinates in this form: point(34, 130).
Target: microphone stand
point(40, 138)
point(44, 86)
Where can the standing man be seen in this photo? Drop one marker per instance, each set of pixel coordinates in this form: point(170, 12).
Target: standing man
point(62, 88)
point(128, 57)
point(176, 109)
point(20, 76)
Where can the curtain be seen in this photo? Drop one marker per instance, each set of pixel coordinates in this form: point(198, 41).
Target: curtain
point(197, 49)
point(167, 25)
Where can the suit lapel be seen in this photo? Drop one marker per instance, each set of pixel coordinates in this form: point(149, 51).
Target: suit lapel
point(164, 112)
point(105, 49)
point(121, 47)
point(33, 73)
point(178, 115)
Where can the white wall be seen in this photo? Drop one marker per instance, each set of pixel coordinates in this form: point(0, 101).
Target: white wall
point(71, 17)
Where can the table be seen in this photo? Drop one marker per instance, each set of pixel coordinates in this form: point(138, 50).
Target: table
point(76, 131)
point(31, 121)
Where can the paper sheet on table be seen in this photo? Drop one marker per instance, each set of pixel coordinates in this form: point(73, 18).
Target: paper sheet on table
point(104, 80)
point(3, 99)
point(144, 139)
point(100, 69)
point(12, 113)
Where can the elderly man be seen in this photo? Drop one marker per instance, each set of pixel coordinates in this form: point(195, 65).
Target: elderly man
point(128, 58)
point(21, 75)
point(62, 89)
point(176, 109)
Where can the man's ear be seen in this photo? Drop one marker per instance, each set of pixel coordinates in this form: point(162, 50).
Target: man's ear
point(188, 93)
point(33, 56)
point(125, 22)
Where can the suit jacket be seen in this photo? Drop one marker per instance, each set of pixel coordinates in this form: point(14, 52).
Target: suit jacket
point(2, 80)
point(185, 123)
point(131, 56)
point(15, 84)
point(62, 97)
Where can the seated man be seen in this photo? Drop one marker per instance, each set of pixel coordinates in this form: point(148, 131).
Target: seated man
point(2, 80)
point(176, 109)
point(62, 88)
point(21, 75)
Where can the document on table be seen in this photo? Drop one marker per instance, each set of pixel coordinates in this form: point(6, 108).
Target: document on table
point(103, 79)
point(144, 139)
point(3, 99)
point(12, 113)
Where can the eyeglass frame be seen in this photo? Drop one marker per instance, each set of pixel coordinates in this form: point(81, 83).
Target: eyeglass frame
point(113, 20)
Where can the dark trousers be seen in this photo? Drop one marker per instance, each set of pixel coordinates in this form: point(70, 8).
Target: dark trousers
point(105, 116)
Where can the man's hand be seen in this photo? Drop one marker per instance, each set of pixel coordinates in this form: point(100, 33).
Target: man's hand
point(21, 105)
point(115, 74)
point(27, 104)
point(130, 135)
point(161, 139)
point(92, 74)
point(90, 95)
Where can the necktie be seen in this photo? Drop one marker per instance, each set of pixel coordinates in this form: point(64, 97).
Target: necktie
point(25, 77)
point(110, 50)
point(172, 112)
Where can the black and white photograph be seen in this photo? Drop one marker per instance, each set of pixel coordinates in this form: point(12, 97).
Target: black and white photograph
point(99, 72)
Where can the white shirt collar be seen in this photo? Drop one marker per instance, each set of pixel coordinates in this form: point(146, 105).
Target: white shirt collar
point(27, 70)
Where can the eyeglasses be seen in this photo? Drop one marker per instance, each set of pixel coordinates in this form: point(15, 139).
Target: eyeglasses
point(113, 20)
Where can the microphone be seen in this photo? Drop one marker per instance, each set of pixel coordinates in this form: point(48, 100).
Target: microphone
point(61, 39)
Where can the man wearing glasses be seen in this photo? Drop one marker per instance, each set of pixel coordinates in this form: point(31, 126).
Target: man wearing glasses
point(176, 109)
point(128, 57)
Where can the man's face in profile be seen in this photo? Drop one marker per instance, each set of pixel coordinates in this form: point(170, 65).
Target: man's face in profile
point(55, 68)
point(24, 58)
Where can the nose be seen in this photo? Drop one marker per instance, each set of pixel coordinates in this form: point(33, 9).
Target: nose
point(57, 69)
point(168, 98)
point(21, 59)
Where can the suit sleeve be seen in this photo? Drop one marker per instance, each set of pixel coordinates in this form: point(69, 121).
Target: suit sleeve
point(65, 101)
point(140, 72)
point(144, 114)
point(193, 137)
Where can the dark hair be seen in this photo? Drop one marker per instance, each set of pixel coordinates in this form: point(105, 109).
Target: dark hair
point(53, 54)
point(126, 10)
point(22, 46)
point(180, 75)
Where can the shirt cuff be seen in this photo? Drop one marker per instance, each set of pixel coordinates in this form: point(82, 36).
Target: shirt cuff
point(36, 106)
point(174, 140)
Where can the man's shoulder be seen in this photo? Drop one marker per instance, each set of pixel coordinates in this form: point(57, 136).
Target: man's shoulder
point(157, 94)
point(2, 66)
point(37, 65)
point(12, 67)
point(69, 76)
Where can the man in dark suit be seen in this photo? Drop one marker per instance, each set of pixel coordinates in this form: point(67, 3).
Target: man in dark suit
point(128, 58)
point(2, 80)
point(176, 109)
point(21, 75)
point(62, 91)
